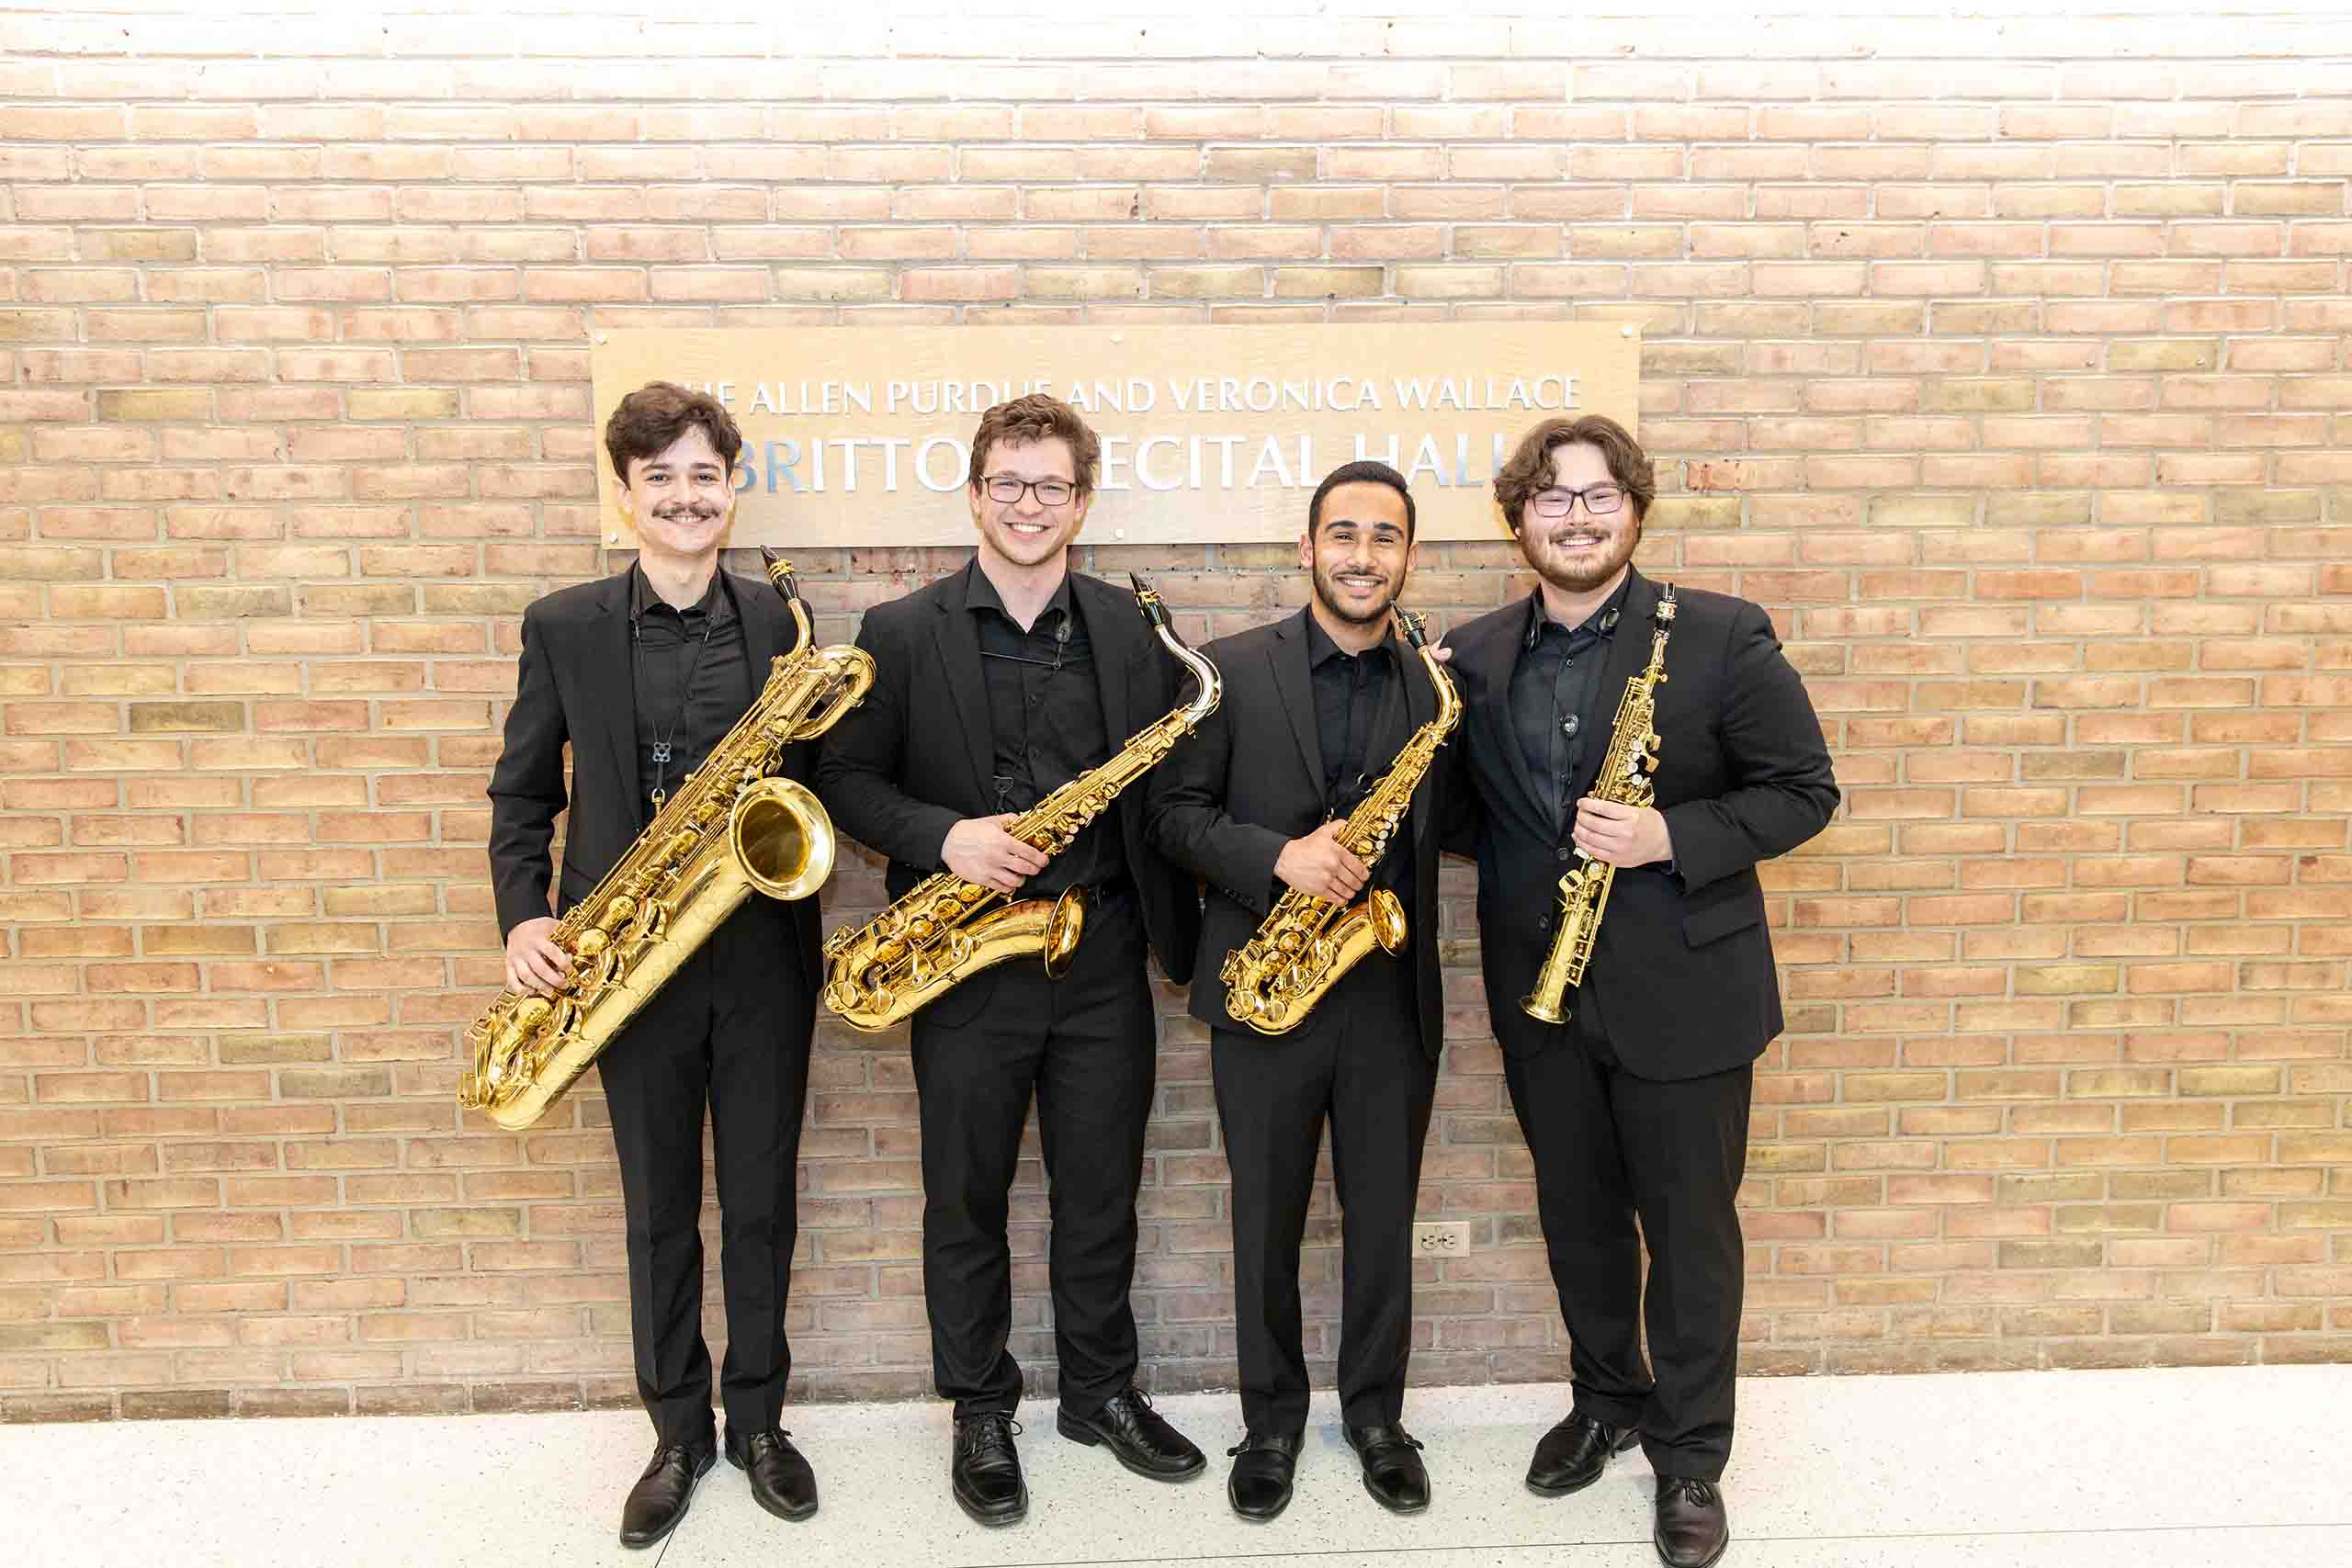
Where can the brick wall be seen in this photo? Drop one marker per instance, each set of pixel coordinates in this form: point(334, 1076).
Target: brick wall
point(2005, 361)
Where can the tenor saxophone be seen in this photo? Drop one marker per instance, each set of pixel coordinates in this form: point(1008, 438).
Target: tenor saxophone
point(1274, 979)
point(946, 930)
point(1625, 779)
point(732, 828)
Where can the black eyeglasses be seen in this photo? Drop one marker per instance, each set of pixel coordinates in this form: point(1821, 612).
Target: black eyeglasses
point(1007, 490)
point(1600, 500)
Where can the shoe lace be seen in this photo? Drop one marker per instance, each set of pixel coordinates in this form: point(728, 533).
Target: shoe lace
point(986, 1431)
point(1249, 1441)
point(1693, 1490)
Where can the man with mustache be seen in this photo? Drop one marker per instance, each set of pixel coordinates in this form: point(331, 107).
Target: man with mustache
point(1317, 706)
point(1635, 1107)
point(994, 686)
point(643, 674)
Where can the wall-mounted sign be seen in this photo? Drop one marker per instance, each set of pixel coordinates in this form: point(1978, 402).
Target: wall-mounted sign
point(861, 435)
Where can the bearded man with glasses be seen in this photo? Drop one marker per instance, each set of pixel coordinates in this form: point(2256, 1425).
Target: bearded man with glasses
point(994, 686)
point(1636, 1106)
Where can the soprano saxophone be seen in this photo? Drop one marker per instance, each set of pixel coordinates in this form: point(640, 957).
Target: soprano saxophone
point(732, 828)
point(1274, 979)
point(1625, 779)
point(946, 930)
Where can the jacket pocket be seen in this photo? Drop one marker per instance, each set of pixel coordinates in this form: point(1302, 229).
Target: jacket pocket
point(1715, 923)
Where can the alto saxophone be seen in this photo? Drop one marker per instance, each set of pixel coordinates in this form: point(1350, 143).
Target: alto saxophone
point(1625, 780)
point(732, 828)
point(946, 930)
point(1274, 979)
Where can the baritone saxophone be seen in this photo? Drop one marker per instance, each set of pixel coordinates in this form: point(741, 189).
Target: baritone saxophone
point(1626, 774)
point(946, 930)
point(1299, 951)
point(732, 829)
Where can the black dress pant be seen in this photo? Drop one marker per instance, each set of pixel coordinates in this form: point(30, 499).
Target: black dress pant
point(1610, 1146)
point(1084, 1047)
point(730, 1031)
point(1357, 1062)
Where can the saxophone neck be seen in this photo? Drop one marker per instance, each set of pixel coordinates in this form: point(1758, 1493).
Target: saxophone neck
point(1208, 686)
point(1449, 703)
point(779, 572)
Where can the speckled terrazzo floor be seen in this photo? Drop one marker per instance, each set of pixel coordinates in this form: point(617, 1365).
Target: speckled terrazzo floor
point(2149, 1469)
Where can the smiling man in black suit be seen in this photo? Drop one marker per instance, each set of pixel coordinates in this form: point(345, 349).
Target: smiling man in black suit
point(643, 674)
point(1637, 1105)
point(995, 686)
point(1317, 707)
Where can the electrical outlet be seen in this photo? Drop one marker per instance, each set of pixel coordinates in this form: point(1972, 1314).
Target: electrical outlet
point(1442, 1238)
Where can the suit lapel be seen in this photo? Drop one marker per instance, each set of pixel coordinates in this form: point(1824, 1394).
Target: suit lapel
point(959, 657)
point(1491, 664)
point(1628, 651)
point(1421, 707)
point(760, 609)
point(613, 677)
point(1111, 626)
point(1295, 682)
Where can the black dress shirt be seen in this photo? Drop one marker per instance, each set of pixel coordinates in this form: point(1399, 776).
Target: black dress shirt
point(1557, 709)
point(1360, 723)
point(1046, 724)
point(693, 679)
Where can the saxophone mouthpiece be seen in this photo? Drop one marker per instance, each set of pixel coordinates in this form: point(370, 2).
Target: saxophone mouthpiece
point(1410, 625)
point(1148, 601)
point(779, 571)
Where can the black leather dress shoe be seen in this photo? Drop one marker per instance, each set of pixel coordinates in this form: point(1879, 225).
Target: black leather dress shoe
point(986, 1472)
point(1691, 1528)
point(1392, 1467)
point(659, 1499)
point(1136, 1435)
point(782, 1482)
point(1572, 1455)
point(1264, 1463)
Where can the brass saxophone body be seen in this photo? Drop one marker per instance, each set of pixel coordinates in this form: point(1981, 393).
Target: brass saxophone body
point(1300, 950)
point(732, 828)
point(1625, 779)
point(946, 930)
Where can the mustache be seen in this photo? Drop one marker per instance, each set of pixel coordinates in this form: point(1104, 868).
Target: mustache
point(698, 510)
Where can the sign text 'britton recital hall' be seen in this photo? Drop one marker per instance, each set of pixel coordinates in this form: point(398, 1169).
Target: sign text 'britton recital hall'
point(860, 436)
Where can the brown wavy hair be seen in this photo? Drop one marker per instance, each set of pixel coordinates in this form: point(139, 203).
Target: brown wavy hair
point(651, 417)
point(1037, 417)
point(1529, 468)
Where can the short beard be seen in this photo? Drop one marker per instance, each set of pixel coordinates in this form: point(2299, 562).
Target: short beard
point(1328, 597)
point(1574, 580)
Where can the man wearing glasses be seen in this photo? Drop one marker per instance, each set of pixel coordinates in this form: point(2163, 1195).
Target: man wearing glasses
point(1637, 1106)
point(994, 686)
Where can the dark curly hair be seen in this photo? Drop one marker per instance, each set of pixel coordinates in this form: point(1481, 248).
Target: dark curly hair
point(1529, 468)
point(649, 419)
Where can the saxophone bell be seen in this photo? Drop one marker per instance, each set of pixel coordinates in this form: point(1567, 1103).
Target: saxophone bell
point(1064, 925)
point(782, 838)
point(1386, 911)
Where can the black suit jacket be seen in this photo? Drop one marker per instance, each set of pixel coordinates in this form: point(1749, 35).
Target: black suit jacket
point(1252, 779)
point(575, 684)
point(916, 757)
point(1682, 968)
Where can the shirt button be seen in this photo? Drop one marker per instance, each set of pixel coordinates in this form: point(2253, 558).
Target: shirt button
point(1562, 852)
point(1570, 725)
point(1543, 921)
